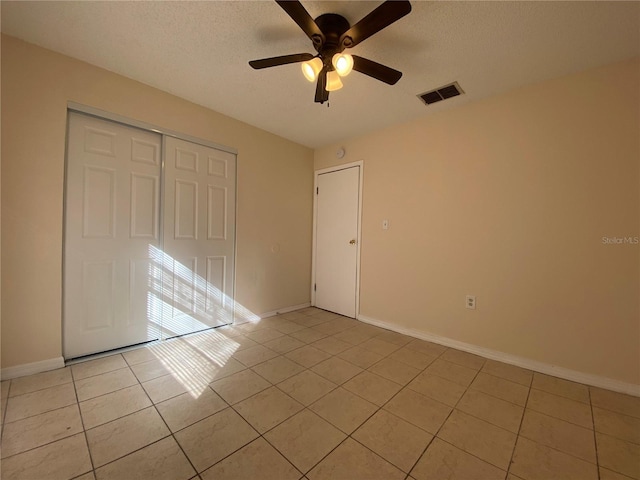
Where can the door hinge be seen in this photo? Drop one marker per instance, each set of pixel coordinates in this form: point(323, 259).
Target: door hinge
point(317, 190)
point(314, 287)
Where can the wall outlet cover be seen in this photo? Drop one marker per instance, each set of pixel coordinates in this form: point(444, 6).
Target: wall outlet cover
point(471, 302)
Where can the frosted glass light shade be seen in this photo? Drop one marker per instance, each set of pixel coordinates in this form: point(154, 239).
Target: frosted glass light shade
point(311, 69)
point(333, 81)
point(343, 63)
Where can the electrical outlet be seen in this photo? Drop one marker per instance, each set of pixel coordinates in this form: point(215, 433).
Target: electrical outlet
point(471, 302)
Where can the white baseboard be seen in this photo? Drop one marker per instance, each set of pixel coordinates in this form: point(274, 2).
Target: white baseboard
point(31, 368)
point(280, 311)
point(273, 313)
point(242, 315)
point(536, 366)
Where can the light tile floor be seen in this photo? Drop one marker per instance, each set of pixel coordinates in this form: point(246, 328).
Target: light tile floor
point(312, 395)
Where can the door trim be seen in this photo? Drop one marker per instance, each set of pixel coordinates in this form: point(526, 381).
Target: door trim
point(316, 173)
point(129, 122)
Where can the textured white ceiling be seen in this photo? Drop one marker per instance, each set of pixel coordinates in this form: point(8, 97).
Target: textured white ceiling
point(199, 51)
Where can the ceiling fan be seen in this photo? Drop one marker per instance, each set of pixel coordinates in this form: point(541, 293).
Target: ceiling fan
point(331, 34)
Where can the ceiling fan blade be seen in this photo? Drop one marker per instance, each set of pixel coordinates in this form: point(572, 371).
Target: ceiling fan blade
point(376, 70)
point(299, 15)
point(283, 60)
point(321, 91)
point(383, 16)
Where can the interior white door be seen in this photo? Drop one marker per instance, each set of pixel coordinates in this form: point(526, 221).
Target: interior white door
point(111, 232)
point(199, 237)
point(336, 240)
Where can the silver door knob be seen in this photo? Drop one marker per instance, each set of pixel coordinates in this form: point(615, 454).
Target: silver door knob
point(352, 242)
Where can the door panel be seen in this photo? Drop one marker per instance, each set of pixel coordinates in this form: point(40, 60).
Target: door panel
point(336, 241)
point(99, 202)
point(111, 224)
point(216, 213)
point(144, 206)
point(199, 235)
point(216, 283)
point(186, 210)
point(98, 294)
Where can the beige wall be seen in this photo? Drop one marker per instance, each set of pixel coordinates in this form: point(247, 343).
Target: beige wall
point(274, 192)
point(508, 199)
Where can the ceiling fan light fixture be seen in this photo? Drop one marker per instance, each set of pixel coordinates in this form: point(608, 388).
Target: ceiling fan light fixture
point(343, 63)
point(311, 69)
point(333, 81)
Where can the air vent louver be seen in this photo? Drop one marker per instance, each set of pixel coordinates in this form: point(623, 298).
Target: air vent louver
point(442, 93)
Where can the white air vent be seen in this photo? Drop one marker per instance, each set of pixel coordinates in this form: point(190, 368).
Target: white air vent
point(442, 93)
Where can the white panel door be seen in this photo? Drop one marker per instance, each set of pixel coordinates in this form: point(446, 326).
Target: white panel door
point(337, 200)
point(199, 237)
point(112, 230)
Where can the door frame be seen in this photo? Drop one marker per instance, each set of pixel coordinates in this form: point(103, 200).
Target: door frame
point(130, 122)
point(316, 173)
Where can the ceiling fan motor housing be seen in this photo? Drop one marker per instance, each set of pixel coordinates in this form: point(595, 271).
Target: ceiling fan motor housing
point(332, 26)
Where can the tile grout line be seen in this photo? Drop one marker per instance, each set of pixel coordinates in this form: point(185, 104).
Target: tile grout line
point(554, 448)
point(251, 441)
point(559, 451)
point(4, 409)
point(506, 380)
point(545, 414)
point(126, 366)
point(40, 390)
point(595, 440)
point(368, 418)
point(616, 412)
point(105, 423)
point(524, 411)
point(172, 435)
point(261, 435)
point(304, 473)
point(318, 399)
point(46, 412)
point(84, 430)
point(478, 418)
point(557, 417)
point(453, 408)
point(50, 442)
point(408, 473)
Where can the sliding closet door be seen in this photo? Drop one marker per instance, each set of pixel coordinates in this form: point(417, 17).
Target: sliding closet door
point(199, 237)
point(111, 279)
